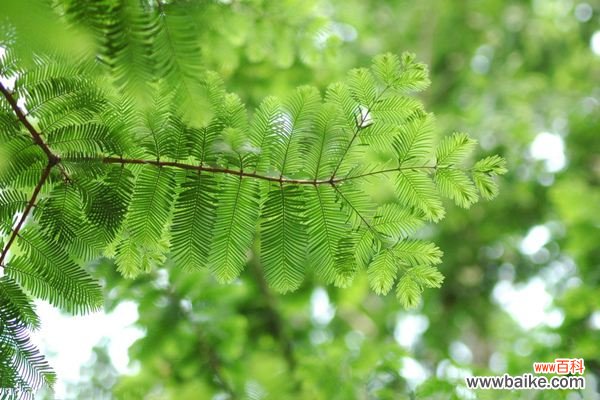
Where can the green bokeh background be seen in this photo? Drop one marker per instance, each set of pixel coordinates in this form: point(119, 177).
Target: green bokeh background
point(503, 71)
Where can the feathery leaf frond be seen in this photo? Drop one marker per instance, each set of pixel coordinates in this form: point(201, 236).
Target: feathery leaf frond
point(22, 368)
point(283, 235)
point(453, 149)
point(456, 185)
point(415, 252)
point(47, 272)
point(416, 189)
point(237, 214)
point(145, 158)
point(382, 272)
point(299, 113)
point(327, 228)
point(401, 74)
point(193, 220)
point(483, 173)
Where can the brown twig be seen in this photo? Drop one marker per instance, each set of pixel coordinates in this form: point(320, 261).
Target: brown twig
point(37, 138)
point(241, 173)
point(26, 212)
point(53, 159)
point(175, 164)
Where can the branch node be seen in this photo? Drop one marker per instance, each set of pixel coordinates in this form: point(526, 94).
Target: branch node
point(53, 160)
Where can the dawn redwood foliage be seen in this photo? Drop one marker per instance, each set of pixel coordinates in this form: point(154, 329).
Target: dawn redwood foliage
point(141, 155)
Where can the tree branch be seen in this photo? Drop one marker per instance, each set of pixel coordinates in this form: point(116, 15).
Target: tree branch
point(53, 159)
point(384, 171)
point(241, 173)
point(37, 138)
point(175, 164)
point(26, 212)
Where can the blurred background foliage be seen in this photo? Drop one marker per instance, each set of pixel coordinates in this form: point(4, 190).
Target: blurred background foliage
point(522, 272)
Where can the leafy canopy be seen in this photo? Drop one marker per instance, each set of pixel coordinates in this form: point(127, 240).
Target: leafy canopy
point(192, 176)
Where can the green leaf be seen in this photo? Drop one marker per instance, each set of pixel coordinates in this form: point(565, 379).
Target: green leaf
point(457, 186)
point(22, 163)
point(63, 220)
point(395, 221)
point(382, 123)
point(339, 95)
point(411, 284)
point(47, 272)
point(22, 367)
point(150, 205)
point(129, 258)
point(83, 139)
point(416, 252)
point(133, 258)
point(283, 238)
point(394, 109)
point(108, 200)
point(390, 223)
point(16, 304)
point(356, 204)
point(483, 173)
point(231, 113)
point(299, 113)
point(266, 127)
point(415, 189)
point(454, 149)
point(414, 141)
point(177, 56)
point(195, 211)
point(11, 202)
point(494, 165)
point(402, 74)
point(148, 215)
point(408, 292)
point(167, 135)
point(386, 68)
point(327, 144)
point(362, 86)
point(366, 246)
point(427, 276)
point(382, 272)
point(488, 188)
point(237, 214)
point(327, 232)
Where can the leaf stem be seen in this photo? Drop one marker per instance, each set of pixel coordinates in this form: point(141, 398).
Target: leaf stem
point(354, 209)
point(175, 164)
point(385, 171)
point(240, 173)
